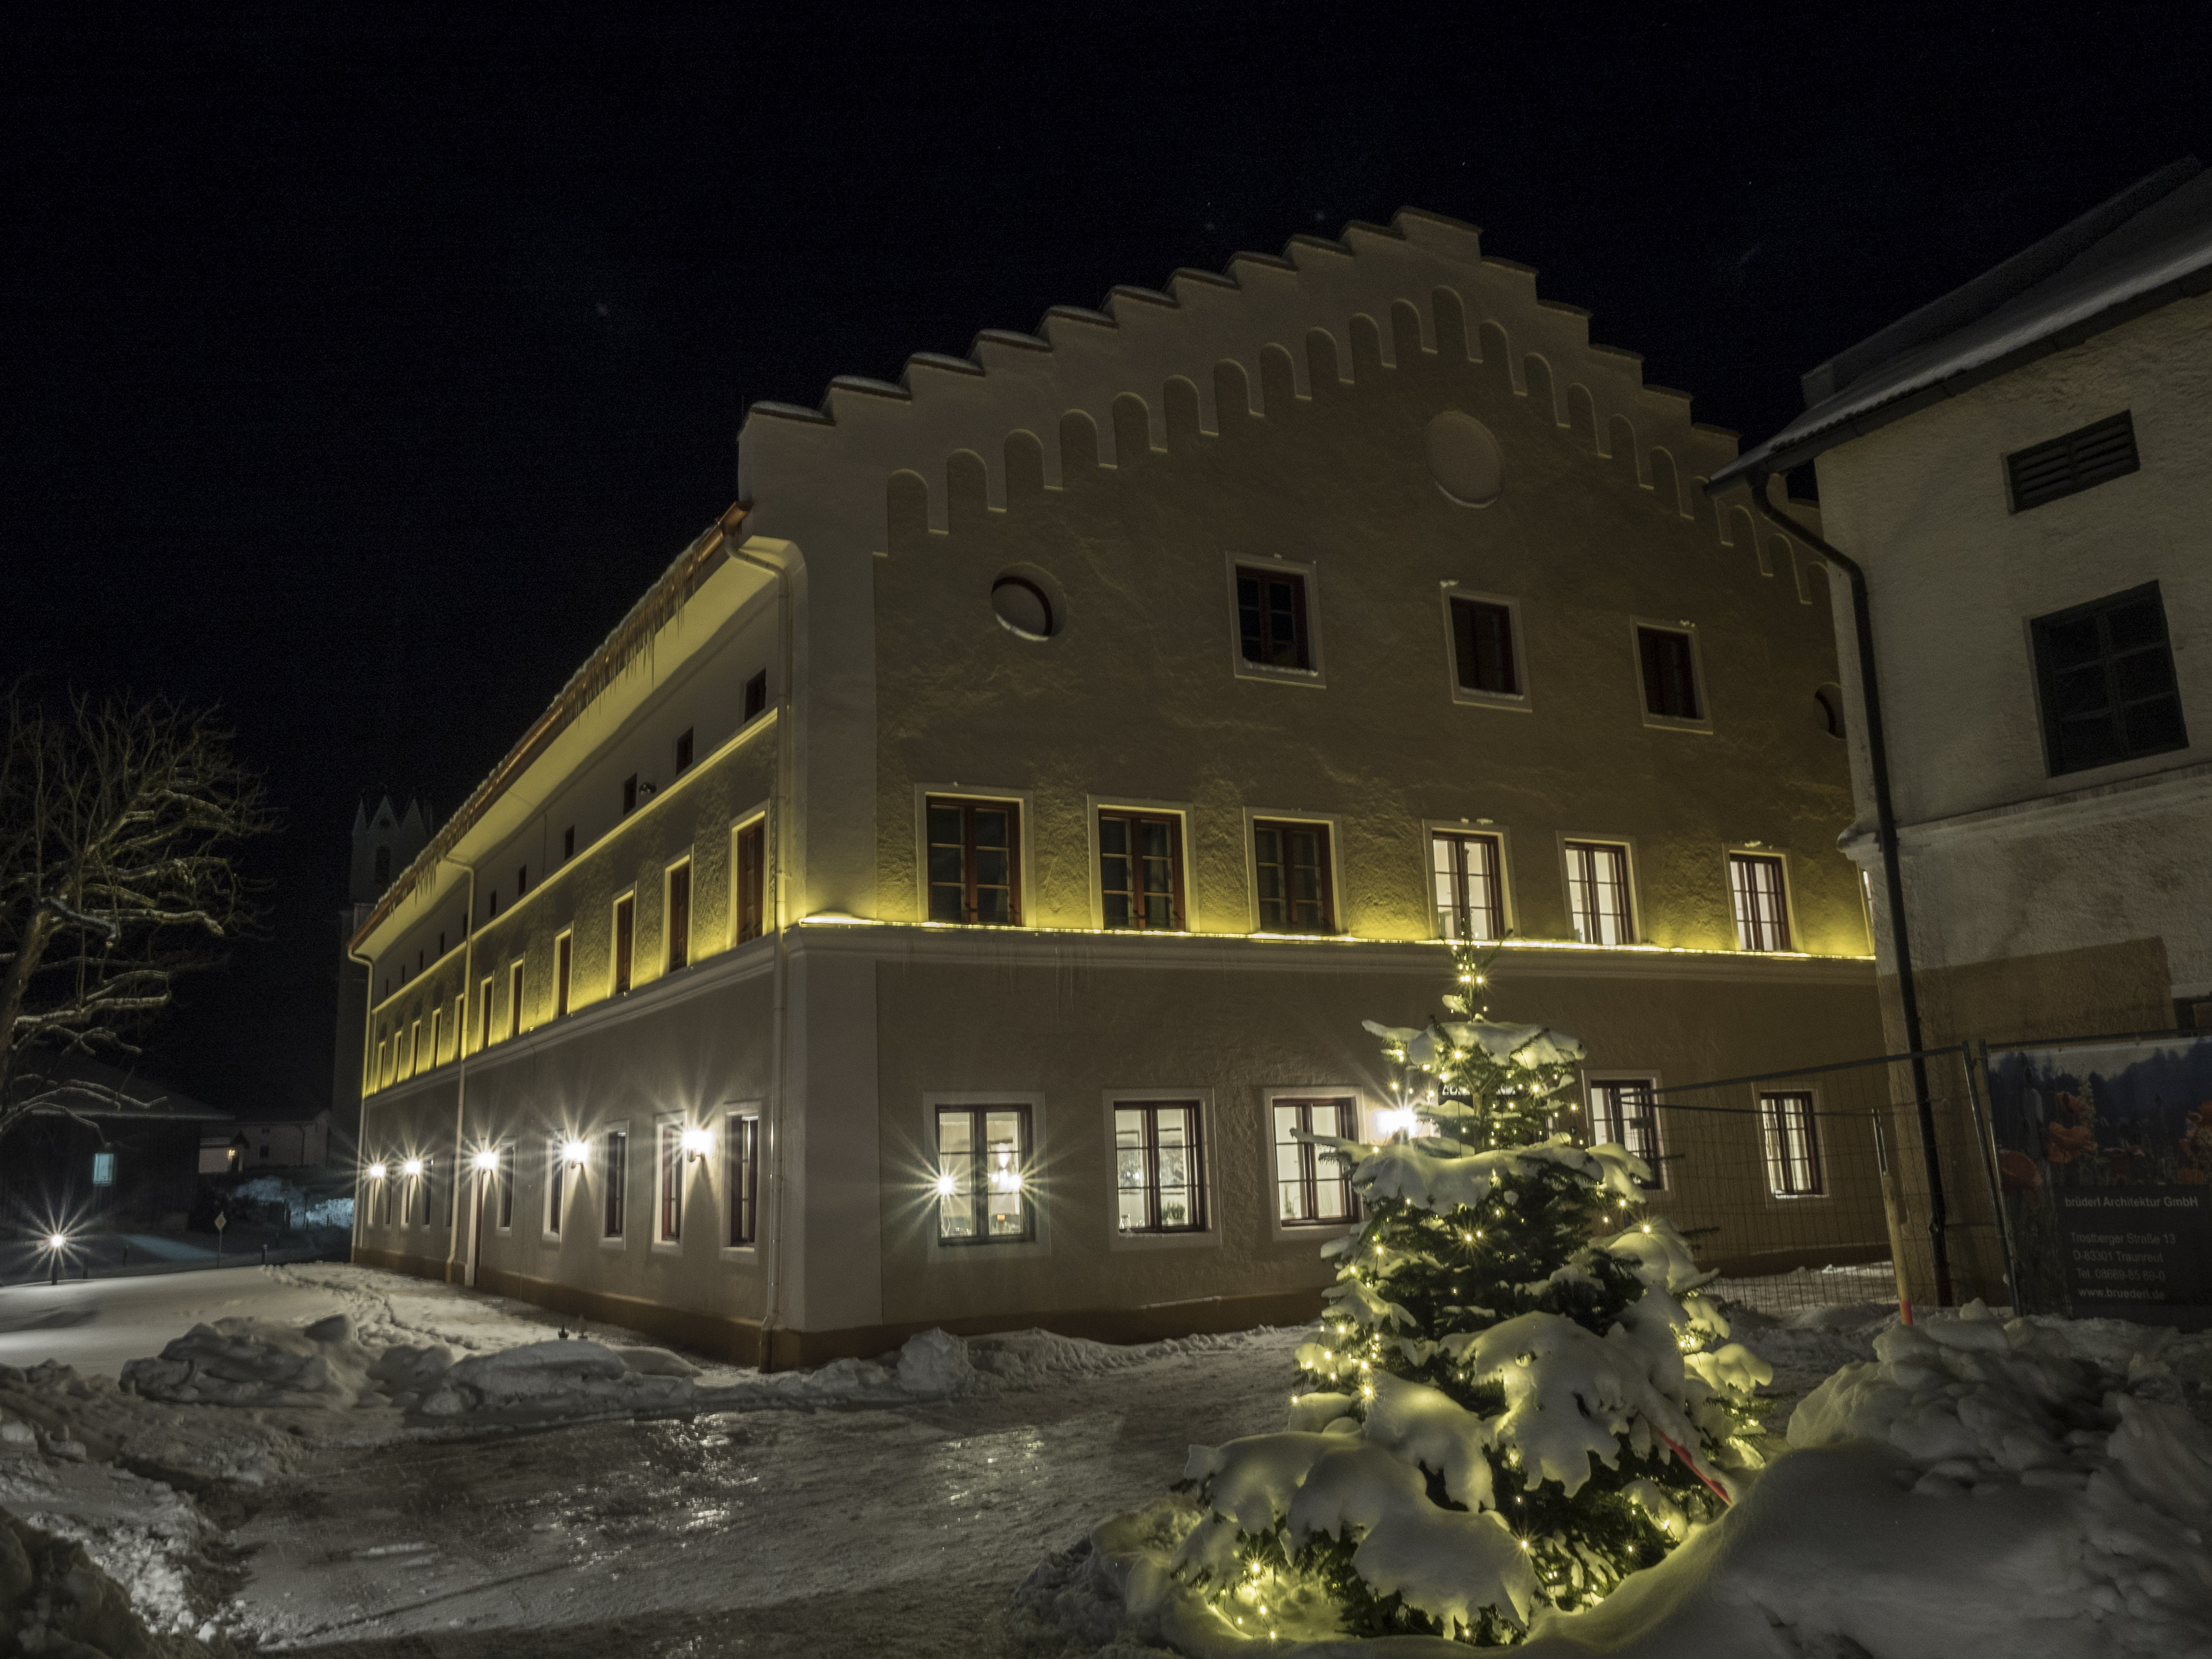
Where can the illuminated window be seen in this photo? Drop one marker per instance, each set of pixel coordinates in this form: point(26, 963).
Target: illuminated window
point(1793, 1144)
point(1762, 906)
point(1671, 674)
point(669, 1178)
point(983, 1174)
point(1483, 658)
point(752, 847)
point(1311, 1187)
point(1466, 874)
point(1159, 1167)
point(1271, 619)
point(679, 915)
point(614, 1169)
point(1290, 861)
point(515, 1000)
point(1624, 1112)
point(973, 868)
point(2106, 672)
point(1597, 892)
point(741, 1149)
point(1140, 870)
point(563, 956)
point(625, 920)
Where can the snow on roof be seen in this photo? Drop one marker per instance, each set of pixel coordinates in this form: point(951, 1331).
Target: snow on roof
point(2147, 246)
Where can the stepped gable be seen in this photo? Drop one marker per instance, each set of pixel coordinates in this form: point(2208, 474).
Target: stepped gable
point(1422, 275)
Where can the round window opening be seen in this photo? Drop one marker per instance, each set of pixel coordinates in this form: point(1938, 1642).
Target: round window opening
point(1023, 609)
point(1464, 459)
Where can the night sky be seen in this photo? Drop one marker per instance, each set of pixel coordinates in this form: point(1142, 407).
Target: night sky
point(361, 368)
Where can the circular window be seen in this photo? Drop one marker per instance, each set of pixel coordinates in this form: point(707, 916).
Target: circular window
point(1464, 459)
point(1023, 609)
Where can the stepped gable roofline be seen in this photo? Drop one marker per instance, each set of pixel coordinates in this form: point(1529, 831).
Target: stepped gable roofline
point(707, 554)
point(1423, 275)
point(2146, 247)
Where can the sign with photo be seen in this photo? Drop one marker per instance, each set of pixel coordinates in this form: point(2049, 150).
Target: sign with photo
point(2105, 1167)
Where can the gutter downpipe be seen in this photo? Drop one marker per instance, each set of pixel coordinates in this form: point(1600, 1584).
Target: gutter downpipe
point(461, 1070)
point(773, 1227)
point(1885, 818)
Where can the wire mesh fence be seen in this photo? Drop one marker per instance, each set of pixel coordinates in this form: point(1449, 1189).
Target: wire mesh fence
point(1812, 1187)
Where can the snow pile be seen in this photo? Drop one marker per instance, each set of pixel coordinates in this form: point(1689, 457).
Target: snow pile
point(256, 1362)
point(2029, 1490)
point(55, 1600)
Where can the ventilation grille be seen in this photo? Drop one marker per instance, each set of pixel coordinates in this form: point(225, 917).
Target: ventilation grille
point(2080, 460)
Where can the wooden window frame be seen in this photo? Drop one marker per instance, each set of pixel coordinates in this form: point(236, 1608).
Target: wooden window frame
point(1457, 837)
point(1701, 692)
point(1133, 818)
point(1308, 1178)
point(1305, 579)
point(1454, 597)
point(967, 807)
point(1650, 1145)
point(749, 880)
point(614, 1175)
point(556, 1187)
point(979, 1114)
point(1788, 1165)
point(1572, 847)
point(622, 947)
point(741, 1172)
point(676, 915)
point(1260, 822)
point(2099, 611)
point(1197, 1150)
point(668, 1180)
point(1755, 931)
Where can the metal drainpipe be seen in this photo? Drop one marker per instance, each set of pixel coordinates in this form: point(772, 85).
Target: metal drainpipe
point(773, 1223)
point(1885, 819)
point(461, 1062)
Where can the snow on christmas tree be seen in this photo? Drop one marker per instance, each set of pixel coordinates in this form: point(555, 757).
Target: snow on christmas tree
point(1515, 1398)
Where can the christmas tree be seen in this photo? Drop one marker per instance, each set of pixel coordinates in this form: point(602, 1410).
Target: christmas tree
point(1515, 1398)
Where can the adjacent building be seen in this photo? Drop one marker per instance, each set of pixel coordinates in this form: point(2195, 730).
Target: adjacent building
point(941, 898)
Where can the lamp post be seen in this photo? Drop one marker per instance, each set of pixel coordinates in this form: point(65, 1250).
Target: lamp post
point(56, 1243)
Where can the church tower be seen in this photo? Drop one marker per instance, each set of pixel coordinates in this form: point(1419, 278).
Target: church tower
point(384, 842)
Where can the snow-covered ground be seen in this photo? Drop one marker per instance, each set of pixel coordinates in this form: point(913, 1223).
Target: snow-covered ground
point(430, 1471)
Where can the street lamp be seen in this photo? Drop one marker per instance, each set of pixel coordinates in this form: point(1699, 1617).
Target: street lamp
point(56, 1243)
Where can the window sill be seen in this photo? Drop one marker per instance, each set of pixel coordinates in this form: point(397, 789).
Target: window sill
point(1514, 702)
point(615, 1244)
point(1670, 723)
point(1185, 1238)
point(1315, 678)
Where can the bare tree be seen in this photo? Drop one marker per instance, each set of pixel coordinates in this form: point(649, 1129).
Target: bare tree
point(119, 821)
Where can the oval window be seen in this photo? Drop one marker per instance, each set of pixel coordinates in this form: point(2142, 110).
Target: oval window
point(1022, 609)
point(1464, 459)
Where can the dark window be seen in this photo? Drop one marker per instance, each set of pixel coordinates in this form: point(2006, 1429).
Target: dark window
point(1670, 675)
point(752, 845)
point(1482, 640)
point(684, 750)
point(2096, 454)
point(974, 862)
point(505, 1179)
point(521, 879)
point(983, 1175)
point(671, 1183)
point(1793, 1144)
point(1624, 1113)
point(492, 908)
point(625, 914)
point(515, 1000)
point(616, 1173)
point(2107, 674)
point(1140, 870)
point(1597, 893)
point(567, 843)
point(1292, 861)
point(1311, 1188)
point(743, 1153)
point(1271, 619)
point(483, 1029)
point(1024, 607)
point(756, 694)
point(1159, 1168)
point(1762, 909)
point(629, 794)
point(419, 957)
point(441, 945)
point(384, 866)
point(1468, 874)
point(679, 916)
point(563, 954)
point(1830, 700)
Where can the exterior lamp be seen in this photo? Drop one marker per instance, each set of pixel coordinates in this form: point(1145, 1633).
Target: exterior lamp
point(946, 1186)
point(1394, 1122)
point(377, 1172)
point(413, 1166)
point(574, 1153)
point(56, 1243)
point(697, 1142)
point(486, 1161)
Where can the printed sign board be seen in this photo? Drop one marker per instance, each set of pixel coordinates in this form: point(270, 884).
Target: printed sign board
point(2104, 1162)
point(103, 1169)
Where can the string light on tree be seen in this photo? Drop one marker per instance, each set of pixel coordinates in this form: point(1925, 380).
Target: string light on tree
point(1518, 1398)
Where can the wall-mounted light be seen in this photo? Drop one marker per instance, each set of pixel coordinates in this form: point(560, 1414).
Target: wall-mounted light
point(574, 1153)
point(697, 1142)
point(377, 1172)
point(413, 1166)
point(1394, 1121)
point(486, 1161)
point(946, 1186)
